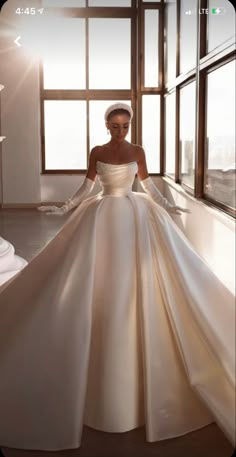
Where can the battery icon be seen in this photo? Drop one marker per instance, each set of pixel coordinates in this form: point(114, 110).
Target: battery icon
point(217, 11)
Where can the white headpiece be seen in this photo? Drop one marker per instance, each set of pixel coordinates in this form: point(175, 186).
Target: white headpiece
point(118, 106)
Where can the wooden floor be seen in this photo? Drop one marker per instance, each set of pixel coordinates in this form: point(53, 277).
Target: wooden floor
point(29, 231)
point(206, 442)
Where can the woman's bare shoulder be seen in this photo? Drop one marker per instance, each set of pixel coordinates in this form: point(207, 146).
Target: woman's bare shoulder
point(96, 151)
point(139, 151)
point(99, 151)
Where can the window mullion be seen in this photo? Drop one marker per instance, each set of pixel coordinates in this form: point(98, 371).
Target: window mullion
point(177, 139)
point(200, 105)
point(133, 57)
point(197, 109)
point(87, 83)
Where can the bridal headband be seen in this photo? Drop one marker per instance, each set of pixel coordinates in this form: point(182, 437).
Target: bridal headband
point(118, 106)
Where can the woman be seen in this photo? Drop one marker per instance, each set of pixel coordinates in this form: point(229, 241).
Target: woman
point(117, 323)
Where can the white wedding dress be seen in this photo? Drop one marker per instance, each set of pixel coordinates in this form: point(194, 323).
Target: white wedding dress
point(10, 263)
point(116, 324)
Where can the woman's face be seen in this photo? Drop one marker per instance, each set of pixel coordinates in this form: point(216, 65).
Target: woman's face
point(118, 126)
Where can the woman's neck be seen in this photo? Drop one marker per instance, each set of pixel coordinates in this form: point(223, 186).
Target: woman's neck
point(117, 144)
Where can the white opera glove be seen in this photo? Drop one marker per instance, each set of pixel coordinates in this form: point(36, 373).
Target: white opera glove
point(150, 188)
point(72, 202)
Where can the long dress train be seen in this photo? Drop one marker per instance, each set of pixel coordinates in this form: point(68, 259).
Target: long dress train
point(116, 324)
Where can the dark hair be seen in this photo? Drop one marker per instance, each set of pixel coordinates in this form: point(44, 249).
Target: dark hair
point(118, 111)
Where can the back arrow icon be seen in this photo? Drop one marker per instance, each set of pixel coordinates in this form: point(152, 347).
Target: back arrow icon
point(17, 41)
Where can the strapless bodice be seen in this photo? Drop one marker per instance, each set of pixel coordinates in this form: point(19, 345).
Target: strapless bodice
point(116, 180)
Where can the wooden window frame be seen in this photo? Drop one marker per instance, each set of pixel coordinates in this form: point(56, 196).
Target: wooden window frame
point(176, 174)
point(204, 73)
point(205, 63)
point(141, 89)
point(136, 14)
point(92, 94)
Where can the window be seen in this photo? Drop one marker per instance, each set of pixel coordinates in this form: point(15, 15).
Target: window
point(89, 62)
point(151, 55)
point(65, 134)
point(109, 53)
point(220, 167)
point(170, 108)
point(64, 59)
point(84, 70)
point(151, 131)
point(170, 42)
point(204, 101)
point(221, 27)
point(187, 134)
point(183, 101)
point(188, 35)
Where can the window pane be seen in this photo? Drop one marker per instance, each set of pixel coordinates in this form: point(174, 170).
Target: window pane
point(170, 135)
point(220, 133)
point(187, 133)
point(151, 48)
point(109, 54)
point(97, 129)
point(188, 35)
point(65, 134)
point(221, 27)
point(63, 3)
point(151, 131)
point(109, 3)
point(64, 55)
point(171, 41)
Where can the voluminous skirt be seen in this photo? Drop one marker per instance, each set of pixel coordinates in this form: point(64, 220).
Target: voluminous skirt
point(116, 324)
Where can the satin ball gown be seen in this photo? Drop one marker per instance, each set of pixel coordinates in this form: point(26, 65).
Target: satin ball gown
point(10, 263)
point(118, 323)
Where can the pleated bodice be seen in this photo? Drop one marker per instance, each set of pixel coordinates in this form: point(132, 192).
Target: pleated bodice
point(116, 180)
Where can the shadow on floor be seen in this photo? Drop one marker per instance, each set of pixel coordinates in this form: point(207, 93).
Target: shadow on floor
point(206, 442)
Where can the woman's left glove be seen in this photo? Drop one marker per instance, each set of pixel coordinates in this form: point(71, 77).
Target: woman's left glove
point(178, 210)
point(150, 188)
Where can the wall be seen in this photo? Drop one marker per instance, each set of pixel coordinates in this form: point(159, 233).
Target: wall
point(20, 116)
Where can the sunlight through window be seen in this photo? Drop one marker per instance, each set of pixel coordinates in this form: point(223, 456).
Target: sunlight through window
point(151, 62)
point(170, 135)
point(151, 131)
point(65, 134)
point(109, 54)
point(64, 61)
point(187, 133)
point(220, 166)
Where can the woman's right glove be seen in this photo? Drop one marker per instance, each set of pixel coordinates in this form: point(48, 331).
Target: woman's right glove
point(150, 188)
point(72, 202)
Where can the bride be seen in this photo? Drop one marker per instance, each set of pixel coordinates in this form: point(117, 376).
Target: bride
point(117, 323)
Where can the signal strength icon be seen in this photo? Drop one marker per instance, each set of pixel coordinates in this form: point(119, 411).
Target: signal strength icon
point(188, 12)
